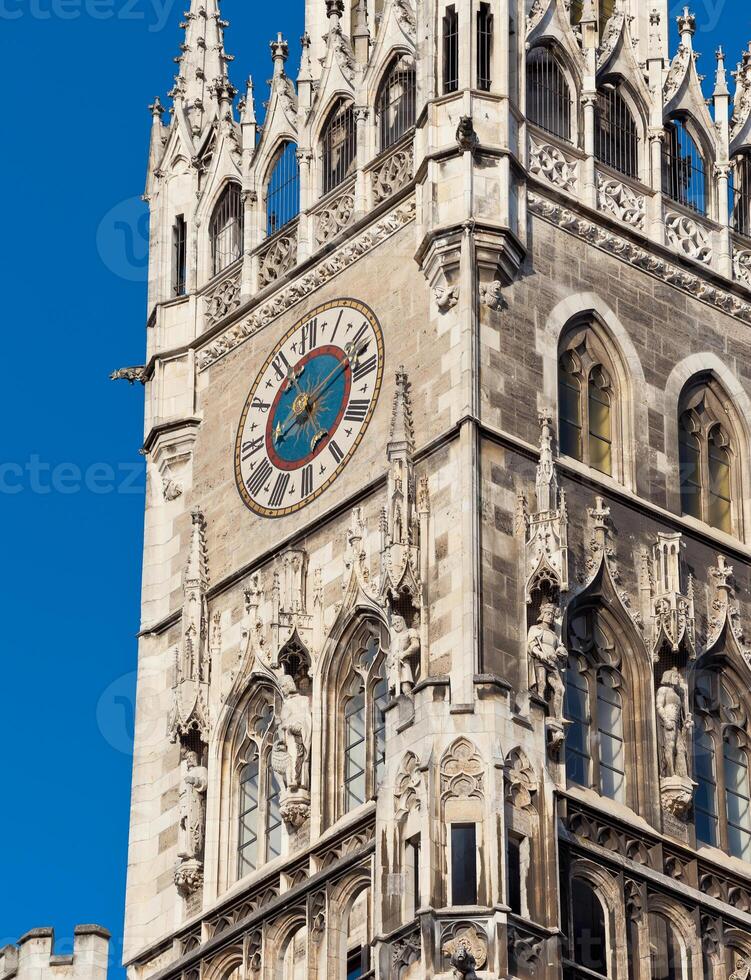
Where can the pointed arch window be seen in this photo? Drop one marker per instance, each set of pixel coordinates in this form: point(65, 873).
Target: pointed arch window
point(616, 136)
point(587, 403)
point(595, 742)
point(740, 194)
point(684, 178)
point(548, 93)
point(395, 107)
point(339, 146)
point(283, 189)
point(587, 928)
point(363, 728)
point(665, 949)
point(708, 472)
point(722, 765)
point(226, 229)
point(257, 792)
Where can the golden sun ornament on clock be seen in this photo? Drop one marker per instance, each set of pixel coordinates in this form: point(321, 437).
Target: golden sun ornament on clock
point(309, 408)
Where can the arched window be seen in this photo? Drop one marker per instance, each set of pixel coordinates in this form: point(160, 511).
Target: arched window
point(396, 101)
point(226, 229)
point(339, 146)
point(283, 189)
point(706, 457)
point(721, 765)
point(587, 403)
point(259, 830)
point(548, 93)
point(595, 744)
point(665, 950)
point(588, 938)
point(740, 190)
point(363, 720)
point(247, 840)
point(616, 137)
point(683, 168)
point(294, 959)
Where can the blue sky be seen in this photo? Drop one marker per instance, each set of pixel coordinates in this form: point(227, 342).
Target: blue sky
point(78, 76)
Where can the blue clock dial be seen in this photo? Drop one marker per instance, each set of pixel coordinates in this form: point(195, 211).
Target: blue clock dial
point(309, 408)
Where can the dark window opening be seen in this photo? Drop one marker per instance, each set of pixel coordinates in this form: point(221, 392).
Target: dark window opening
point(616, 138)
point(179, 255)
point(588, 939)
point(463, 864)
point(357, 963)
point(413, 872)
point(339, 147)
point(396, 103)
point(548, 94)
point(514, 876)
point(226, 231)
point(740, 195)
point(450, 50)
point(484, 47)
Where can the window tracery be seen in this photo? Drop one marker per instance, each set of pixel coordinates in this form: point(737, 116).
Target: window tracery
point(722, 763)
point(588, 402)
point(707, 456)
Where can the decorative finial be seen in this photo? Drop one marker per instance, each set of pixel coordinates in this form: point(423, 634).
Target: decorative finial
point(279, 50)
point(156, 109)
point(686, 26)
point(721, 79)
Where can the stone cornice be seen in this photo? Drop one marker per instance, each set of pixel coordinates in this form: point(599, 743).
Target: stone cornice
point(295, 292)
point(646, 257)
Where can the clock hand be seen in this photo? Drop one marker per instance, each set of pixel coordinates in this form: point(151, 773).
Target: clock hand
point(352, 353)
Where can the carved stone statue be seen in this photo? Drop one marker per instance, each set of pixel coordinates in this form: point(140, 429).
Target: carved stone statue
point(404, 654)
point(674, 723)
point(192, 809)
point(464, 964)
point(548, 657)
point(293, 738)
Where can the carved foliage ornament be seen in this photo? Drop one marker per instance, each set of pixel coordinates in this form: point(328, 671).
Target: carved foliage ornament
point(462, 771)
point(223, 299)
point(335, 217)
point(393, 174)
point(617, 199)
point(688, 237)
point(549, 162)
point(278, 259)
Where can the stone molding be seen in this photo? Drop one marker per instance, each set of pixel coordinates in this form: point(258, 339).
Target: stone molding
point(296, 292)
point(642, 257)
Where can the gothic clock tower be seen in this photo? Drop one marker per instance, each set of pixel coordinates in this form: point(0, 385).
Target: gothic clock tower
point(443, 666)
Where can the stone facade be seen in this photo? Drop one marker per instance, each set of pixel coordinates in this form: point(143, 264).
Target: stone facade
point(33, 957)
point(479, 708)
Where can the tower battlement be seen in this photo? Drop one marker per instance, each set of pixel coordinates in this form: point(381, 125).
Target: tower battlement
point(33, 957)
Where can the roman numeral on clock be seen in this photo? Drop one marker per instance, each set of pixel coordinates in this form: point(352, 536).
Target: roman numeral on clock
point(363, 368)
point(307, 480)
point(309, 336)
point(357, 339)
point(263, 406)
point(252, 447)
point(280, 488)
point(257, 479)
point(336, 451)
point(357, 410)
point(281, 366)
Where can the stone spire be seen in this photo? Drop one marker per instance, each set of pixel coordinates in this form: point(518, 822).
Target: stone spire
point(202, 87)
point(721, 75)
point(401, 442)
point(546, 482)
point(156, 144)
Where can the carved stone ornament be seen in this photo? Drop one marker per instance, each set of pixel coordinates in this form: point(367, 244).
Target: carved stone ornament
point(189, 878)
point(277, 259)
point(192, 822)
point(491, 295)
point(677, 794)
point(462, 771)
point(395, 172)
point(290, 757)
point(548, 658)
point(618, 200)
point(521, 783)
point(335, 217)
point(405, 952)
point(688, 237)
point(742, 100)
point(526, 951)
point(446, 297)
point(678, 68)
point(549, 162)
point(613, 30)
point(641, 258)
point(673, 616)
point(317, 915)
point(289, 296)
point(725, 613)
point(545, 530)
point(467, 949)
point(130, 374)
point(190, 711)
point(466, 137)
point(223, 299)
point(742, 267)
point(742, 969)
point(408, 786)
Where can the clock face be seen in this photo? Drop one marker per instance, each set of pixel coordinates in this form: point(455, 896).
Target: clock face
point(309, 408)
